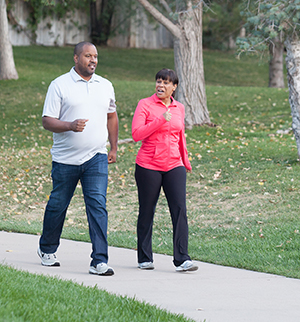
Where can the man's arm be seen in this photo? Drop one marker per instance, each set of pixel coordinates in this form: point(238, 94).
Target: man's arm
point(113, 131)
point(57, 126)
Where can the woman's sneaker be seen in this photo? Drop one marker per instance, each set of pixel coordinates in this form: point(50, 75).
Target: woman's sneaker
point(101, 269)
point(146, 265)
point(187, 266)
point(48, 259)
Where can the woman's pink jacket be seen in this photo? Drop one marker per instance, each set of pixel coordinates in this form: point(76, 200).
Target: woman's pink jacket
point(163, 143)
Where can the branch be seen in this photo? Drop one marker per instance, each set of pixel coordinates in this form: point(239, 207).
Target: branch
point(125, 141)
point(174, 30)
point(166, 6)
point(252, 48)
point(18, 27)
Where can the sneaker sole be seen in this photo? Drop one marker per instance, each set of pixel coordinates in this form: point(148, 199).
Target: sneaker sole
point(191, 269)
point(109, 272)
point(56, 264)
point(51, 265)
point(149, 268)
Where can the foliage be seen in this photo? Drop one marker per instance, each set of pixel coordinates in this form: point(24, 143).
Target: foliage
point(101, 15)
point(102, 25)
point(31, 297)
point(242, 195)
point(40, 9)
point(221, 20)
point(268, 19)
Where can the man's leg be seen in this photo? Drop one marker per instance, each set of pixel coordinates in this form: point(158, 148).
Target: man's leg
point(65, 178)
point(94, 186)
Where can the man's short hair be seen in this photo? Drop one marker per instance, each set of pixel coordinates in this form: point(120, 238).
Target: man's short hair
point(79, 47)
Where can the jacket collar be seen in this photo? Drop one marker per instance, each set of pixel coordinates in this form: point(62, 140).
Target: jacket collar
point(157, 100)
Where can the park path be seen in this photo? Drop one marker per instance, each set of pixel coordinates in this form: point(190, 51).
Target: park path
point(213, 293)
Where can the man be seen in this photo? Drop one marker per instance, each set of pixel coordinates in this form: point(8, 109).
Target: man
point(80, 110)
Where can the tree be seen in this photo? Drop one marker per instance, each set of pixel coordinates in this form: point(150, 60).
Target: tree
point(101, 22)
point(7, 64)
point(186, 27)
point(278, 20)
point(276, 78)
point(102, 13)
point(222, 24)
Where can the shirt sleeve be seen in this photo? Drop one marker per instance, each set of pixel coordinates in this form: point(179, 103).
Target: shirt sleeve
point(182, 146)
point(141, 129)
point(112, 104)
point(52, 105)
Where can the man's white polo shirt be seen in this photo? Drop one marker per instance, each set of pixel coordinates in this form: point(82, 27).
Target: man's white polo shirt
point(70, 97)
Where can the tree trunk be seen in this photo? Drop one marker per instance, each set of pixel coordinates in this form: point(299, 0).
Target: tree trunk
point(293, 75)
point(276, 78)
point(188, 59)
point(101, 13)
point(189, 67)
point(7, 64)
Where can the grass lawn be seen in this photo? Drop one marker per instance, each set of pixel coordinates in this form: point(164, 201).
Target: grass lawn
point(243, 193)
point(30, 297)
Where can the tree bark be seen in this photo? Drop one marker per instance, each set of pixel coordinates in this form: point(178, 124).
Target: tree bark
point(101, 13)
point(293, 75)
point(7, 64)
point(276, 78)
point(188, 58)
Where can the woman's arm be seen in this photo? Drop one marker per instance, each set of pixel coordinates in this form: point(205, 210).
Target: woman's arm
point(182, 145)
point(141, 129)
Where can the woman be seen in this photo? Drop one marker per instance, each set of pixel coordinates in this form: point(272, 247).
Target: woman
point(162, 161)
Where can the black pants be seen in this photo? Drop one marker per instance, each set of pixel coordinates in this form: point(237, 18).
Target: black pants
point(149, 183)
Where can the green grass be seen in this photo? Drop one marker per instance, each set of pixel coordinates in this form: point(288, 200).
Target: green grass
point(30, 297)
point(243, 193)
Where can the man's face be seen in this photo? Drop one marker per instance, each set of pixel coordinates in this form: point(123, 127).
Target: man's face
point(86, 62)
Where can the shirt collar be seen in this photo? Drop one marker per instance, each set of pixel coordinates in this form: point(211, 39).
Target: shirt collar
point(77, 78)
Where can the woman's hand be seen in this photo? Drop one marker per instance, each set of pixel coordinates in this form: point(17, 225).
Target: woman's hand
point(167, 115)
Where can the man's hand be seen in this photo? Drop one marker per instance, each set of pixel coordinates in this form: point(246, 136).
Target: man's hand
point(112, 156)
point(78, 125)
point(57, 126)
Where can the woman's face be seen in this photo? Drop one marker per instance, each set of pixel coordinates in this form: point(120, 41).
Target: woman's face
point(164, 88)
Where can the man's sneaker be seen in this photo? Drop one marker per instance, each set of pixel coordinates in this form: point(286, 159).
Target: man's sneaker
point(48, 259)
point(146, 265)
point(187, 266)
point(101, 269)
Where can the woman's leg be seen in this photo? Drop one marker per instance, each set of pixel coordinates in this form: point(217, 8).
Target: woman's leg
point(149, 185)
point(174, 185)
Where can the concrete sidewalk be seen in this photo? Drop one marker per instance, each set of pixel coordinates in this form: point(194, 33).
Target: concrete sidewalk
point(213, 293)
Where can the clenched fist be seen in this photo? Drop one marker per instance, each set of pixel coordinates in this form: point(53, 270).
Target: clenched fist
point(167, 115)
point(78, 125)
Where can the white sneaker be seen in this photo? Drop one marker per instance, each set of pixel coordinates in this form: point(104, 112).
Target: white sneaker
point(146, 265)
point(101, 269)
point(187, 266)
point(48, 259)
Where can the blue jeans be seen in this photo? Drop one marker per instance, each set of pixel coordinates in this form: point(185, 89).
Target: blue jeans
point(93, 177)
